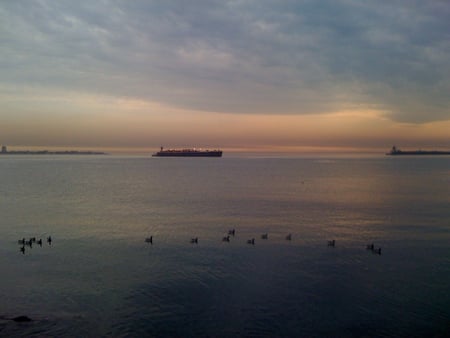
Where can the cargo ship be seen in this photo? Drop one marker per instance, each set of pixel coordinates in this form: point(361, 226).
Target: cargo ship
point(187, 153)
point(395, 151)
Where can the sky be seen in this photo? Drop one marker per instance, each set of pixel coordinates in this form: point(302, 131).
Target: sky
point(278, 75)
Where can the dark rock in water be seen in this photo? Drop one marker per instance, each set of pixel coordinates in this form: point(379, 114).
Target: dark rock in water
point(22, 319)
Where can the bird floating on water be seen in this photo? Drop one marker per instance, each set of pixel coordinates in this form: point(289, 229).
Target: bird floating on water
point(371, 247)
point(332, 243)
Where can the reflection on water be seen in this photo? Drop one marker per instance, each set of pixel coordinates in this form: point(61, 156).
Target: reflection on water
point(122, 260)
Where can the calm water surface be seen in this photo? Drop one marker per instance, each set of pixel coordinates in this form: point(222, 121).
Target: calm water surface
point(99, 277)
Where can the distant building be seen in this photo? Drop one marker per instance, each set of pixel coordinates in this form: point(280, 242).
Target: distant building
point(4, 149)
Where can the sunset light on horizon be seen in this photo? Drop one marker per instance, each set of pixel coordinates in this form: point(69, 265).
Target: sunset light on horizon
point(239, 75)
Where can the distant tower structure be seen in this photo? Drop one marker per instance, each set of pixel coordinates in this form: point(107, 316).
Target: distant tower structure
point(4, 149)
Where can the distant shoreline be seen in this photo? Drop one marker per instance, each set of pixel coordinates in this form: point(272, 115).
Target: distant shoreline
point(46, 152)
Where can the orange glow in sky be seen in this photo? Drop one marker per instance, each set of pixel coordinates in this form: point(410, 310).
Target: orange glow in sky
point(228, 74)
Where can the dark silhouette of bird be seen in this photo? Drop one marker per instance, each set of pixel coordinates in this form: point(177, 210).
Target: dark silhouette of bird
point(149, 240)
point(289, 237)
point(251, 241)
point(194, 240)
point(265, 236)
point(332, 243)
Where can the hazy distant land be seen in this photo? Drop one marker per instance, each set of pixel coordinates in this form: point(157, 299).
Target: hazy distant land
point(5, 151)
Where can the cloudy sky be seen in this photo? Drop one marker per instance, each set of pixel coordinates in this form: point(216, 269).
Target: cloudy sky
point(249, 74)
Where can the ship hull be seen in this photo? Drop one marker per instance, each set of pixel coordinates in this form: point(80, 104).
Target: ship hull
point(188, 154)
point(402, 153)
point(397, 152)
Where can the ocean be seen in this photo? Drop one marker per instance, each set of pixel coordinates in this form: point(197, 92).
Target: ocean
point(100, 278)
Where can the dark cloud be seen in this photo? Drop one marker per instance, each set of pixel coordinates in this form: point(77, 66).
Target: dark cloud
point(295, 57)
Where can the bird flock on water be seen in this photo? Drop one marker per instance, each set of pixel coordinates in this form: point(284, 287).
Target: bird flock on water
point(265, 236)
point(28, 243)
